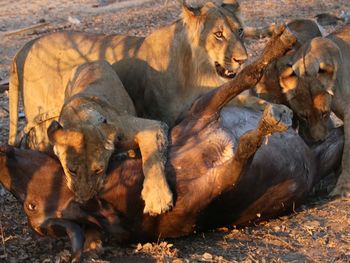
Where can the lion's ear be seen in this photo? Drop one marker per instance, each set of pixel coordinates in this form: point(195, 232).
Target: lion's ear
point(55, 132)
point(189, 12)
point(328, 68)
point(195, 15)
point(327, 74)
point(110, 134)
point(288, 80)
point(231, 5)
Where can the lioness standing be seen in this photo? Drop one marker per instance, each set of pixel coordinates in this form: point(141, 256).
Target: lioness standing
point(318, 82)
point(163, 73)
point(96, 115)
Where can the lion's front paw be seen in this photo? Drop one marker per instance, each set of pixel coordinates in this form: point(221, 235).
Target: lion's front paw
point(157, 196)
point(93, 240)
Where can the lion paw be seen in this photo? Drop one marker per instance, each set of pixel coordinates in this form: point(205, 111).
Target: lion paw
point(157, 196)
point(276, 118)
point(93, 240)
point(341, 189)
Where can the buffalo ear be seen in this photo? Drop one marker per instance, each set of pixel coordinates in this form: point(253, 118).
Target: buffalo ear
point(54, 131)
point(7, 150)
point(230, 5)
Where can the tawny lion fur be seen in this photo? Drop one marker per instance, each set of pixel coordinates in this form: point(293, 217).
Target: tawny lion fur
point(163, 73)
point(318, 82)
point(97, 115)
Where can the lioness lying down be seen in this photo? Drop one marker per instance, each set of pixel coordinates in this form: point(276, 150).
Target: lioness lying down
point(163, 72)
point(96, 115)
point(318, 82)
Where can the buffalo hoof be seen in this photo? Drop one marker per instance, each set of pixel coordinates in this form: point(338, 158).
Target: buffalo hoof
point(276, 118)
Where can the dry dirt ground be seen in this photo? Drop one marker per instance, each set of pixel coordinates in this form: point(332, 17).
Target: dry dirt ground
point(319, 231)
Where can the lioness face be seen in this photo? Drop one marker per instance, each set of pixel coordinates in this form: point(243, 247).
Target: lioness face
point(308, 85)
point(311, 104)
point(217, 31)
point(84, 154)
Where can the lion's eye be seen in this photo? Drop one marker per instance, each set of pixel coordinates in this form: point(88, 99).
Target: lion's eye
point(72, 171)
point(219, 35)
point(31, 207)
point(241, 32)
point(322, 71)
point(303, 116)
point(99, 171)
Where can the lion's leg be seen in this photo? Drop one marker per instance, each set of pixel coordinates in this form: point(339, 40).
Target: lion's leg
point(152, 138)
point(35, 137)
point(343, 185)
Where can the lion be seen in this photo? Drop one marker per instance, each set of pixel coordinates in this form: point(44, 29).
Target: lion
point(163, 72)
point(317, 82)
point(98, 118)
point(269, 88)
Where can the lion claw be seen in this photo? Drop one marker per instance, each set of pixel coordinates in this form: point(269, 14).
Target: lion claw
point(341, 190)
point(342, 187)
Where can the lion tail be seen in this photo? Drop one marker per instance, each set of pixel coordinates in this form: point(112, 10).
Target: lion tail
point(259, 32)
point(13, 103)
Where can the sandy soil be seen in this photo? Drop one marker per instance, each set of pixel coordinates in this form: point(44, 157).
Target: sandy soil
point(319, 231)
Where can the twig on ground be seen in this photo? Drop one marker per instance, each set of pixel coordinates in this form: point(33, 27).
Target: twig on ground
point(25, 29)
point(4, 109)
point(285, 243)
point(3, 241)
point(4, 85)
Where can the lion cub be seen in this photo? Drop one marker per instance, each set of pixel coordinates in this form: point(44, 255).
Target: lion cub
point(318, 82)
point(97, 116)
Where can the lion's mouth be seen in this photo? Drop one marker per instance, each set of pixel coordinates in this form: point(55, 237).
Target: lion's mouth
point(224, 73)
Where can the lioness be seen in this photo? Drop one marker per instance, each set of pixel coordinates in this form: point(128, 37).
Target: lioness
point(96, 114)
point(269, 87)
point(318, 82)
point(163, 72)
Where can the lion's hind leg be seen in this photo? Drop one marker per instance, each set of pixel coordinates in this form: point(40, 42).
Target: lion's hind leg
point(342, 187)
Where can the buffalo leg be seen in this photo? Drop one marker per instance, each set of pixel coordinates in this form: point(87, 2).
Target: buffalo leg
point(275, 118)
point(213, 101)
